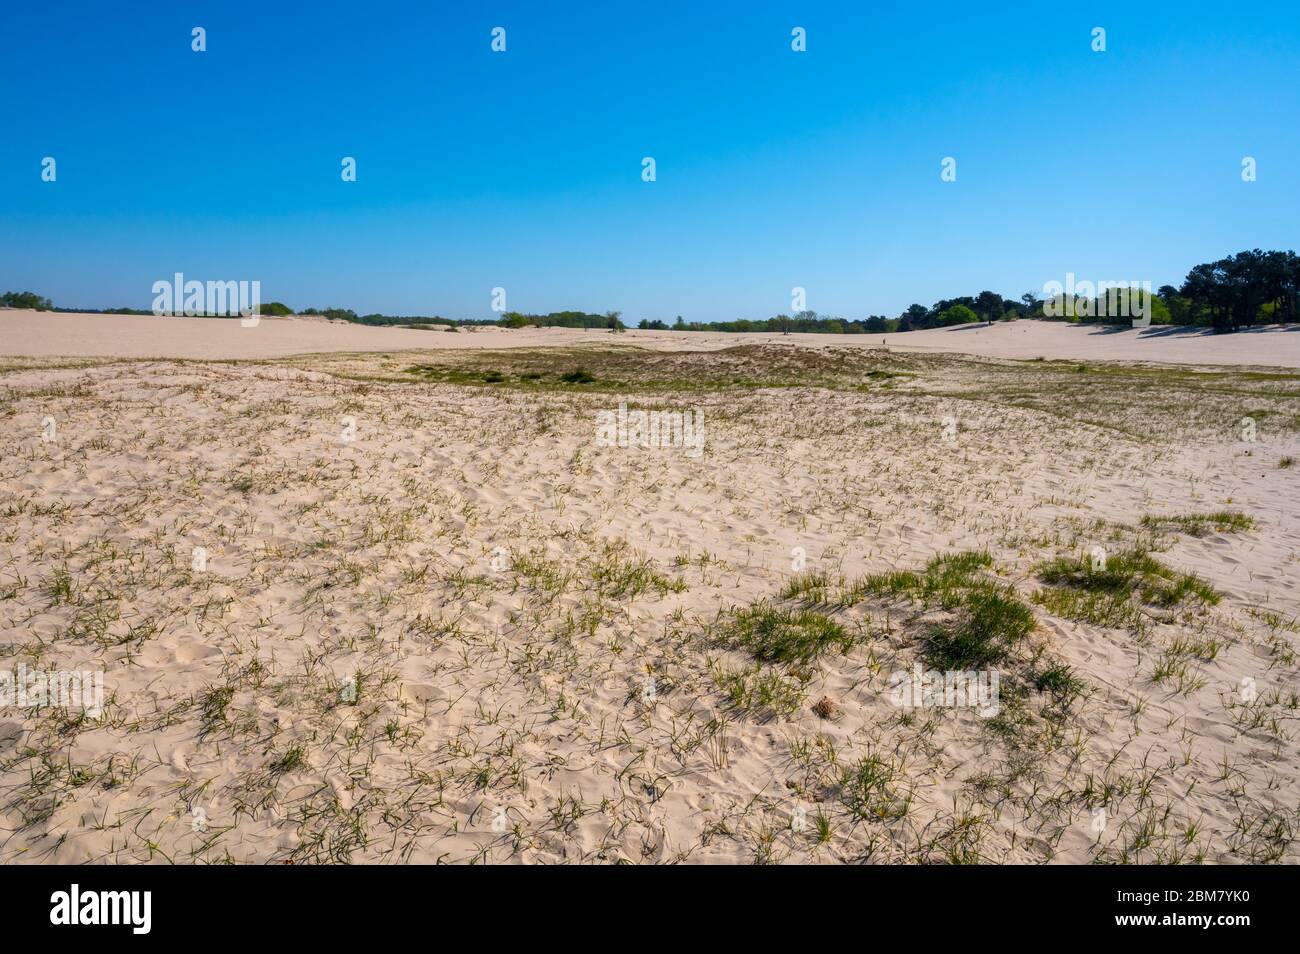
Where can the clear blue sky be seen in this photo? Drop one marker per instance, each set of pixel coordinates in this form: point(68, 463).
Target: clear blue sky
point(523, 169)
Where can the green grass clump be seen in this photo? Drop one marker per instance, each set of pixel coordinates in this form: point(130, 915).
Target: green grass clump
point(294, 759)
point(774, 635)
point(947, 575)
point(1059, 679)
point(892, 584)
point(1199, 524)
point(541, 573)
point(943, 580)
point(618, 577)
point(811, 587)
point(990, 622)
point(1115, 594)
point(213, 703)
point(577, 376)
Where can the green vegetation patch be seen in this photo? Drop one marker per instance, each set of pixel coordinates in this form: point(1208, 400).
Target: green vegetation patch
point(626, 577)
point(1199, 524)
point(990, 622)
point(943, 580)
point(1121, 591)
point(775, 635)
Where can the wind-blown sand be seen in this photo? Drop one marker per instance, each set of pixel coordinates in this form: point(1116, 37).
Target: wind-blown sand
point(50, 334)
point(439, 621)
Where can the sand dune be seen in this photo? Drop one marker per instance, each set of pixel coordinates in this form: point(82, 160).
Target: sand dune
point(439, 621)
point(46, 334)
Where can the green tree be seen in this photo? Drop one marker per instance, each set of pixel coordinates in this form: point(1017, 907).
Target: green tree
point(958, 315)
point(988, 305)
point(28, 300)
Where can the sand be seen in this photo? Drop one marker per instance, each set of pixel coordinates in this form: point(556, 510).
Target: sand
point(47, 334)
point(441, 622)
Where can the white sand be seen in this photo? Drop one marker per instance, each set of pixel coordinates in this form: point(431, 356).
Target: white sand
point(45, 334)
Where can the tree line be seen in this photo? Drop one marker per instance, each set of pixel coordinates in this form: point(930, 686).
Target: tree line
point(1241, 290)
point(1249, 288)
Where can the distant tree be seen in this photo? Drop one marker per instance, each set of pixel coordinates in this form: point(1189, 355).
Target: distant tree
point(1238, 291)
point(988, 305)
point(958, 315)
point(914, 318)
point(28, 300)
point(276, 309)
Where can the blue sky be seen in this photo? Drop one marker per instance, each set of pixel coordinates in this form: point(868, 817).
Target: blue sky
point(523, 169)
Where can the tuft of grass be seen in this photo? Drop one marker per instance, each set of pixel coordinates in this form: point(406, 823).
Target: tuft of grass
point(868, 790)
point(947, 576)
point(893, 584)
point(620, 578)
point(577, 376)
point(213, 703)
point(990, 622)
point(811, 587)
point(1285, 462)
point(990, 619)
point(774, 635)
point(1199, 524)
point(295, 758)
point(760, 690)
point(1059, 679)
point(1115, 594)
point(943, 579)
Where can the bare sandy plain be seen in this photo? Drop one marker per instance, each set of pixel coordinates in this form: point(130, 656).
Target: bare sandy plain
point(46, 334)
point(440, 621)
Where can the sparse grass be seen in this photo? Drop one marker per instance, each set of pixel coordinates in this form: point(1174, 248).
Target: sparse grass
point(760, 690)
point(894, 583)
point(869, 789)
point(1060, 680)
point(483, 680)
point(810, 587)
point(626, 578)
point(1200, 524)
